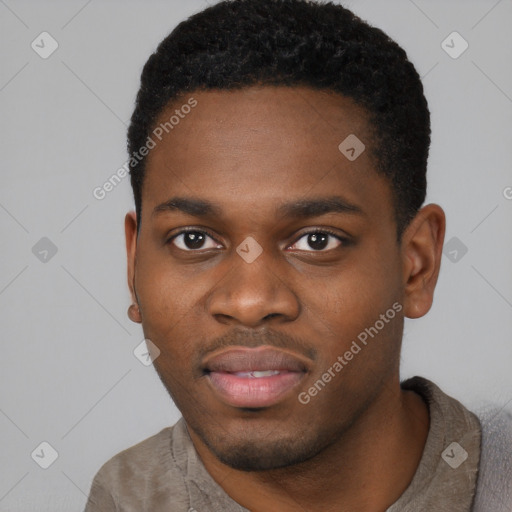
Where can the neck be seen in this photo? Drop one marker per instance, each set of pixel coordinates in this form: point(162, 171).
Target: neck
point(379, 454)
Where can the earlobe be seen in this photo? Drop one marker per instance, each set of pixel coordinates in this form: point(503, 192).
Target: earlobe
point(134, 313)
point(422, 247)
point(130, 229)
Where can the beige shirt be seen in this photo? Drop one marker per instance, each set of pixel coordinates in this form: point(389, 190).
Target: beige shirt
point(165, 474)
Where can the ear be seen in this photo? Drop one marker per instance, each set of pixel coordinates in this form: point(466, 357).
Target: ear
point(422, 246)
point(130, 230)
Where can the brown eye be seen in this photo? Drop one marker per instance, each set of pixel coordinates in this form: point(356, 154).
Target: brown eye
point(193, 240)
point(318, 241)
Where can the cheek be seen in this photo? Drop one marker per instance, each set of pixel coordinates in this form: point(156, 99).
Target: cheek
point(349, 307)
point(172, 301)
point(358, 350)
point(164, 303)
point(161, 285)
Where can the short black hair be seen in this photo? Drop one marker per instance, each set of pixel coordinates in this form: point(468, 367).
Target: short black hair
point(239, 43)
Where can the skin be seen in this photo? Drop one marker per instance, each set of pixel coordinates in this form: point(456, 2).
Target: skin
point(357, 444)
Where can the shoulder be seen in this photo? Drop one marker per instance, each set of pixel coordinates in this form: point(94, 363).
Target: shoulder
point(495, 475)
point(143, 455)
point(139, 475)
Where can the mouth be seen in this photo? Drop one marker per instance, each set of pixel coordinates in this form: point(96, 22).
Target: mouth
point(254, 377)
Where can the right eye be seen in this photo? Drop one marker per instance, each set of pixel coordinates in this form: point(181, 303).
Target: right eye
point(191, 240)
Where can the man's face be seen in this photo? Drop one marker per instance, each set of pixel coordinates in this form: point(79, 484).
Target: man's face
point(251, 308)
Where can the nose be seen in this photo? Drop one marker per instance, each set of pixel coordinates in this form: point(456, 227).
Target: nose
point(252, 294)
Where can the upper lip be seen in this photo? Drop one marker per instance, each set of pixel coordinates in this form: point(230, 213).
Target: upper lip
point(243, 359)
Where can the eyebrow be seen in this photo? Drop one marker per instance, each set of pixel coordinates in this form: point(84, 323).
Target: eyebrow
point(297, 209)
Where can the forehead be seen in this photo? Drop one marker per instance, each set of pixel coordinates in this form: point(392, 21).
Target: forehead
point(254, 112)
point(259, 146)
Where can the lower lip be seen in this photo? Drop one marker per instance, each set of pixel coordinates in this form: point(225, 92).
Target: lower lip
point(253, 392)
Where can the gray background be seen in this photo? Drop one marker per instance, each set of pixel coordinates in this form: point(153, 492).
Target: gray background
point(69, 376)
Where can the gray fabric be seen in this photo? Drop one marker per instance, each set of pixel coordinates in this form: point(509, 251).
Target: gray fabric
point(164, 473)
point(161, 473)
point(494, 491)
point(437, 485)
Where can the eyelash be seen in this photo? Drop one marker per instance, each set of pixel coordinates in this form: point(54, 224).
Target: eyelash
point(327, 231)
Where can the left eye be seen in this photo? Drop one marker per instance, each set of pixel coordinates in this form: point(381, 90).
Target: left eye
point(319, 241)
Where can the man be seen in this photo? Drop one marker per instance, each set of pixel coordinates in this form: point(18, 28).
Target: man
point(278, 162)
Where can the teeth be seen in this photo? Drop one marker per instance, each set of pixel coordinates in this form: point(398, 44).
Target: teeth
point(257, 374)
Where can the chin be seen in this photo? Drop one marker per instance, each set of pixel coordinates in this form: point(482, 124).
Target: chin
point(261, 453)
point(255, 457)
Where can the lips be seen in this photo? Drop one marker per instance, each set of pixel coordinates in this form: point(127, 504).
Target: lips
point(241, 359)
point(254, 377)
